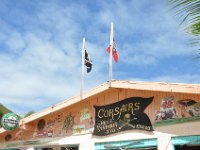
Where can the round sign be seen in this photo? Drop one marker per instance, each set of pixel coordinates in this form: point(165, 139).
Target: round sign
point(10, 121)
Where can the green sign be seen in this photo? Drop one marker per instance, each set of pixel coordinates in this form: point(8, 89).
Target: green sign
point(10, 121)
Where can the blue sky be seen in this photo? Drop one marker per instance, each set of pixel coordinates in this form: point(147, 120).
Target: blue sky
point(41, 40)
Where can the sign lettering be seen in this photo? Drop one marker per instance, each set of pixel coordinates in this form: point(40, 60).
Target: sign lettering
point(10, 121)
point(127, 114)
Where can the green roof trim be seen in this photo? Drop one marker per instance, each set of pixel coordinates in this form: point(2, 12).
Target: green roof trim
point(175, 121)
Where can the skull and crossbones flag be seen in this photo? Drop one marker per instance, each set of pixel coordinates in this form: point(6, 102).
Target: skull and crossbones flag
point(88, 62)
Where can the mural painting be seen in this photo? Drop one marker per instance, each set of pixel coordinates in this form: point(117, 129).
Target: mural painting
point(189, 111)
point(91, 122)
point(40, 134)
point(59, 117)
point(68, 123)
point(50, 125)
point(78, 129)
point(84, 114)
point(40, 129)
point(189, 108)
point(127, 114)
point(50, 133)
point(167, 109)
point(85, 123)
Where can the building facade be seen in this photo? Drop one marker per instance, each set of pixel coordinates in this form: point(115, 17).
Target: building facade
point(127, 115)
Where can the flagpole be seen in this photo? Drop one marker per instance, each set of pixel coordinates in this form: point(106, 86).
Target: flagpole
point(111, 50)
point(82, 72)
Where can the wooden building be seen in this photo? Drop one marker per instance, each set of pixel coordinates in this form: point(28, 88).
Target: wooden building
point(126, 116)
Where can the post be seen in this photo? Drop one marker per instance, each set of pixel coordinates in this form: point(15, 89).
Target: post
point(82, 71)
point(111, 50)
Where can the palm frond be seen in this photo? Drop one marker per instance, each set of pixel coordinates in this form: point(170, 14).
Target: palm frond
point(189, 13)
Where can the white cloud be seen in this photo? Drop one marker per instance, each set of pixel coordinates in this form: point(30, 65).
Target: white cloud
point(47, 66)
point(41, 64)
point(172, 78)
point(15, 42)
point(148, 37)
point(178, 78)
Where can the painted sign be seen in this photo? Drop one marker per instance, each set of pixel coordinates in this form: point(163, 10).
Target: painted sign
point(40, 134)
point(189, 108)
point(78, 129)
point(69, 122)
point(10, 121)
point(189, 111)
point(50, 124)
point(50, 133)
point(84, 114)
point(127, 114)
point(167, 110)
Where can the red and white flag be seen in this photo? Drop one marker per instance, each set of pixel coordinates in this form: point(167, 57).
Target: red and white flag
point(114, 52)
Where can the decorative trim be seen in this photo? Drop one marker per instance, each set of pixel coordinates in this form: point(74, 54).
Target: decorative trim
point(175, 121)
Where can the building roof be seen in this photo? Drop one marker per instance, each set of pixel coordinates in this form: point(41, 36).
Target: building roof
point(146, 86)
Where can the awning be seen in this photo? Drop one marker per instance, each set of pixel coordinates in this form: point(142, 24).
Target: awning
point(42, 142)
point(188, 140)
point(133, 144)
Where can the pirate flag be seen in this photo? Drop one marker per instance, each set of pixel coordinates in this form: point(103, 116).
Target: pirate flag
point(88, 62)
point(127, 114)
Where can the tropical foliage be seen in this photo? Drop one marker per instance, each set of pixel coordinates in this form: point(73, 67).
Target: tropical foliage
point(3, 110)
point(189, 12)
point(28, 114)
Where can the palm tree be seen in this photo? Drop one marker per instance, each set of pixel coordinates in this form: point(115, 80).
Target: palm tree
point(189, 12)
point(1, 115)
